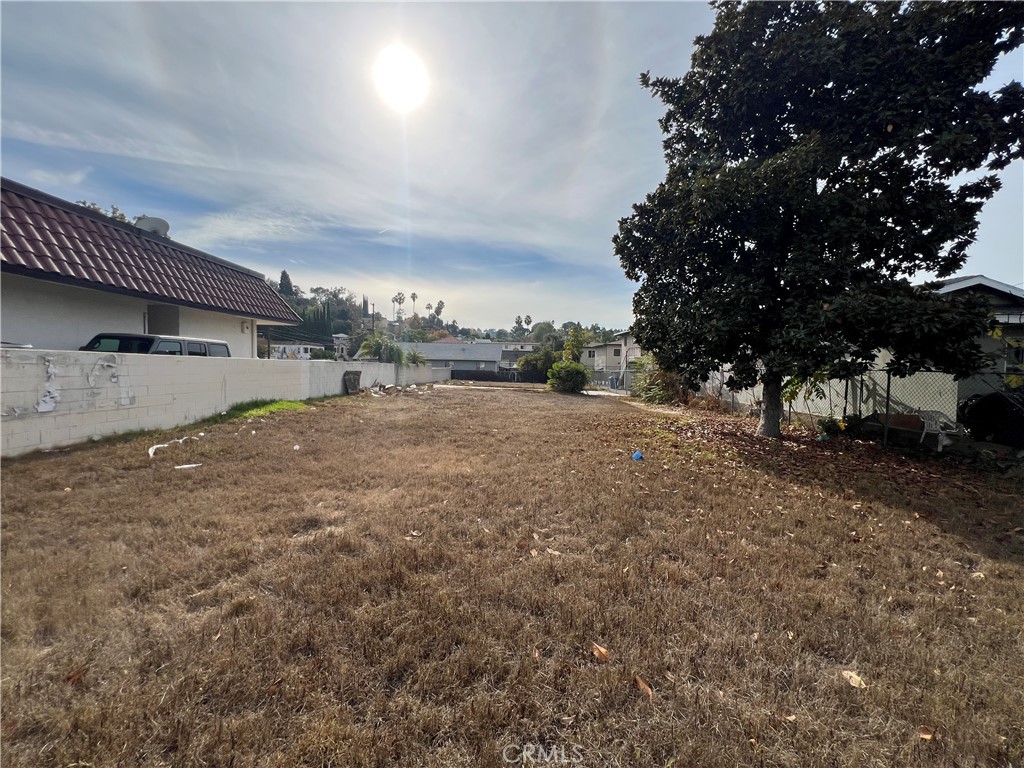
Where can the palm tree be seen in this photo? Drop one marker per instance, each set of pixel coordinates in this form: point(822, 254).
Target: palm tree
point(384, 349)
point(400, 299)
point(415, 358)
point(413, 296)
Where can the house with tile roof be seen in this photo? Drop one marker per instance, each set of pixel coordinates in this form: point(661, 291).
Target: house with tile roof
point(69, 272)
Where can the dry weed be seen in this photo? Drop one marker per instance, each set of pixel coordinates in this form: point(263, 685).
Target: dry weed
point(425, 582)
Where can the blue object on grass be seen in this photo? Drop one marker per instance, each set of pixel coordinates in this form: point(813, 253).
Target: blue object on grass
point(638, 456)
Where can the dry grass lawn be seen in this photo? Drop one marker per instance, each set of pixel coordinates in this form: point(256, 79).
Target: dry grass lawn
point(423, 581)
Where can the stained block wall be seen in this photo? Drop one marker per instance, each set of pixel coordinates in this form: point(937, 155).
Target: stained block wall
point(53, 398)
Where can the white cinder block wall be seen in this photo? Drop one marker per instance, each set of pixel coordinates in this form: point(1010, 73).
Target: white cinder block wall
point(56, 397)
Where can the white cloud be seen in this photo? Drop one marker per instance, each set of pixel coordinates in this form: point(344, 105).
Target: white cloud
point(245, 226)
point(536, 137)
point(522, 142)
point(52, 178)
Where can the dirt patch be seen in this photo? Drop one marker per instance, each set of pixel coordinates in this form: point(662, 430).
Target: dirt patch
point(423, 581)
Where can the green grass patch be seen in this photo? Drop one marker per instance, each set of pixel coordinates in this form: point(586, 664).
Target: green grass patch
point(263, 408)
point(253, 409)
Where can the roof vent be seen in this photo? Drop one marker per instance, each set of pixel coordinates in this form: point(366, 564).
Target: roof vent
point(154, 225)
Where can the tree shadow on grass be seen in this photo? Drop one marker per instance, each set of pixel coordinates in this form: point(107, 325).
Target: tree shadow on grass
point(985, 509)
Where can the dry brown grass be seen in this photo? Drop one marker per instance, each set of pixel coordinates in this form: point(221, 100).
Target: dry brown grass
point(420, 584)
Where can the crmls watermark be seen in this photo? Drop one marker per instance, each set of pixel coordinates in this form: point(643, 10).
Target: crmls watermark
point(539, 754)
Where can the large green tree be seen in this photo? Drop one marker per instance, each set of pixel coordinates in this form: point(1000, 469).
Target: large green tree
point(286, 288)
point(820, 155)
point(542, 330)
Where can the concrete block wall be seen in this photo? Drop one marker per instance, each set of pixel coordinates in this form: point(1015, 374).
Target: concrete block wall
point(52, 398)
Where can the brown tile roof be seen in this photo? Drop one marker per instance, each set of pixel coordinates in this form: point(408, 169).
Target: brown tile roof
point(51, 239)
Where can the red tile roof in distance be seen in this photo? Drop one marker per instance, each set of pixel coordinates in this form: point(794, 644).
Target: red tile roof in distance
point(51, 239)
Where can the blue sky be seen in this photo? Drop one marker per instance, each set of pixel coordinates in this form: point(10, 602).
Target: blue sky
point(255, 129)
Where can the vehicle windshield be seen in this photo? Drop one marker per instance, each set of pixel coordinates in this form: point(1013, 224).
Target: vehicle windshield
point(131, 344)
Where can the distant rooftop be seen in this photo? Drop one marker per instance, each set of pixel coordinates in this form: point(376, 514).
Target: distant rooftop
point(453, 352)
point(978, 281)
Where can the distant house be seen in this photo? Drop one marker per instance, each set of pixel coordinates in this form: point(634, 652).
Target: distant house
point(1006, 304)
point(294, 350)
point(70, 272)
point(511, 351)
point(342, 342)
point(459, 357)
point(613, 361)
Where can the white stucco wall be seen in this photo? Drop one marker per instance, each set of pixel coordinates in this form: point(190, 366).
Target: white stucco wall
point(54, 316)
point(210, 325)
point(58, 397)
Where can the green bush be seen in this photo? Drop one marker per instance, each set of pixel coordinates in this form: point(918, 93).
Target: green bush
point(537, 362)
point(569, 377)
point(830, 426)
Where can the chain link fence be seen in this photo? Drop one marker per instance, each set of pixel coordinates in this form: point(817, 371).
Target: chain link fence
point(613, 378)
point(987, 406)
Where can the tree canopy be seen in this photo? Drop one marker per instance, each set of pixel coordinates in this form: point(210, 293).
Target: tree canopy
point(382, 348)
point(819, 156)
point(286, 288)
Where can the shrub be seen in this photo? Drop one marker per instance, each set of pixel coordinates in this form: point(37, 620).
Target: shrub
point(658, 387)
point(569, 377)
point(830, 426)
point(537, 362)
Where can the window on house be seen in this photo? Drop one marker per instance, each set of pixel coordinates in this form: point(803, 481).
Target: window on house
point(481, 366)
point(617, 352)
point(591, 353)
point(168, 348)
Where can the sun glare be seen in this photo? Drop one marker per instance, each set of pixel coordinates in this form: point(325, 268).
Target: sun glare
point(401, 78)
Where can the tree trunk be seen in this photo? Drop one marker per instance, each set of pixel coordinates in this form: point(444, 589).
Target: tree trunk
point(771, 405)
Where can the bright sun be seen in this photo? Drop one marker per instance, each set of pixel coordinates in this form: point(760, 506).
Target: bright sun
point(401, 78)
